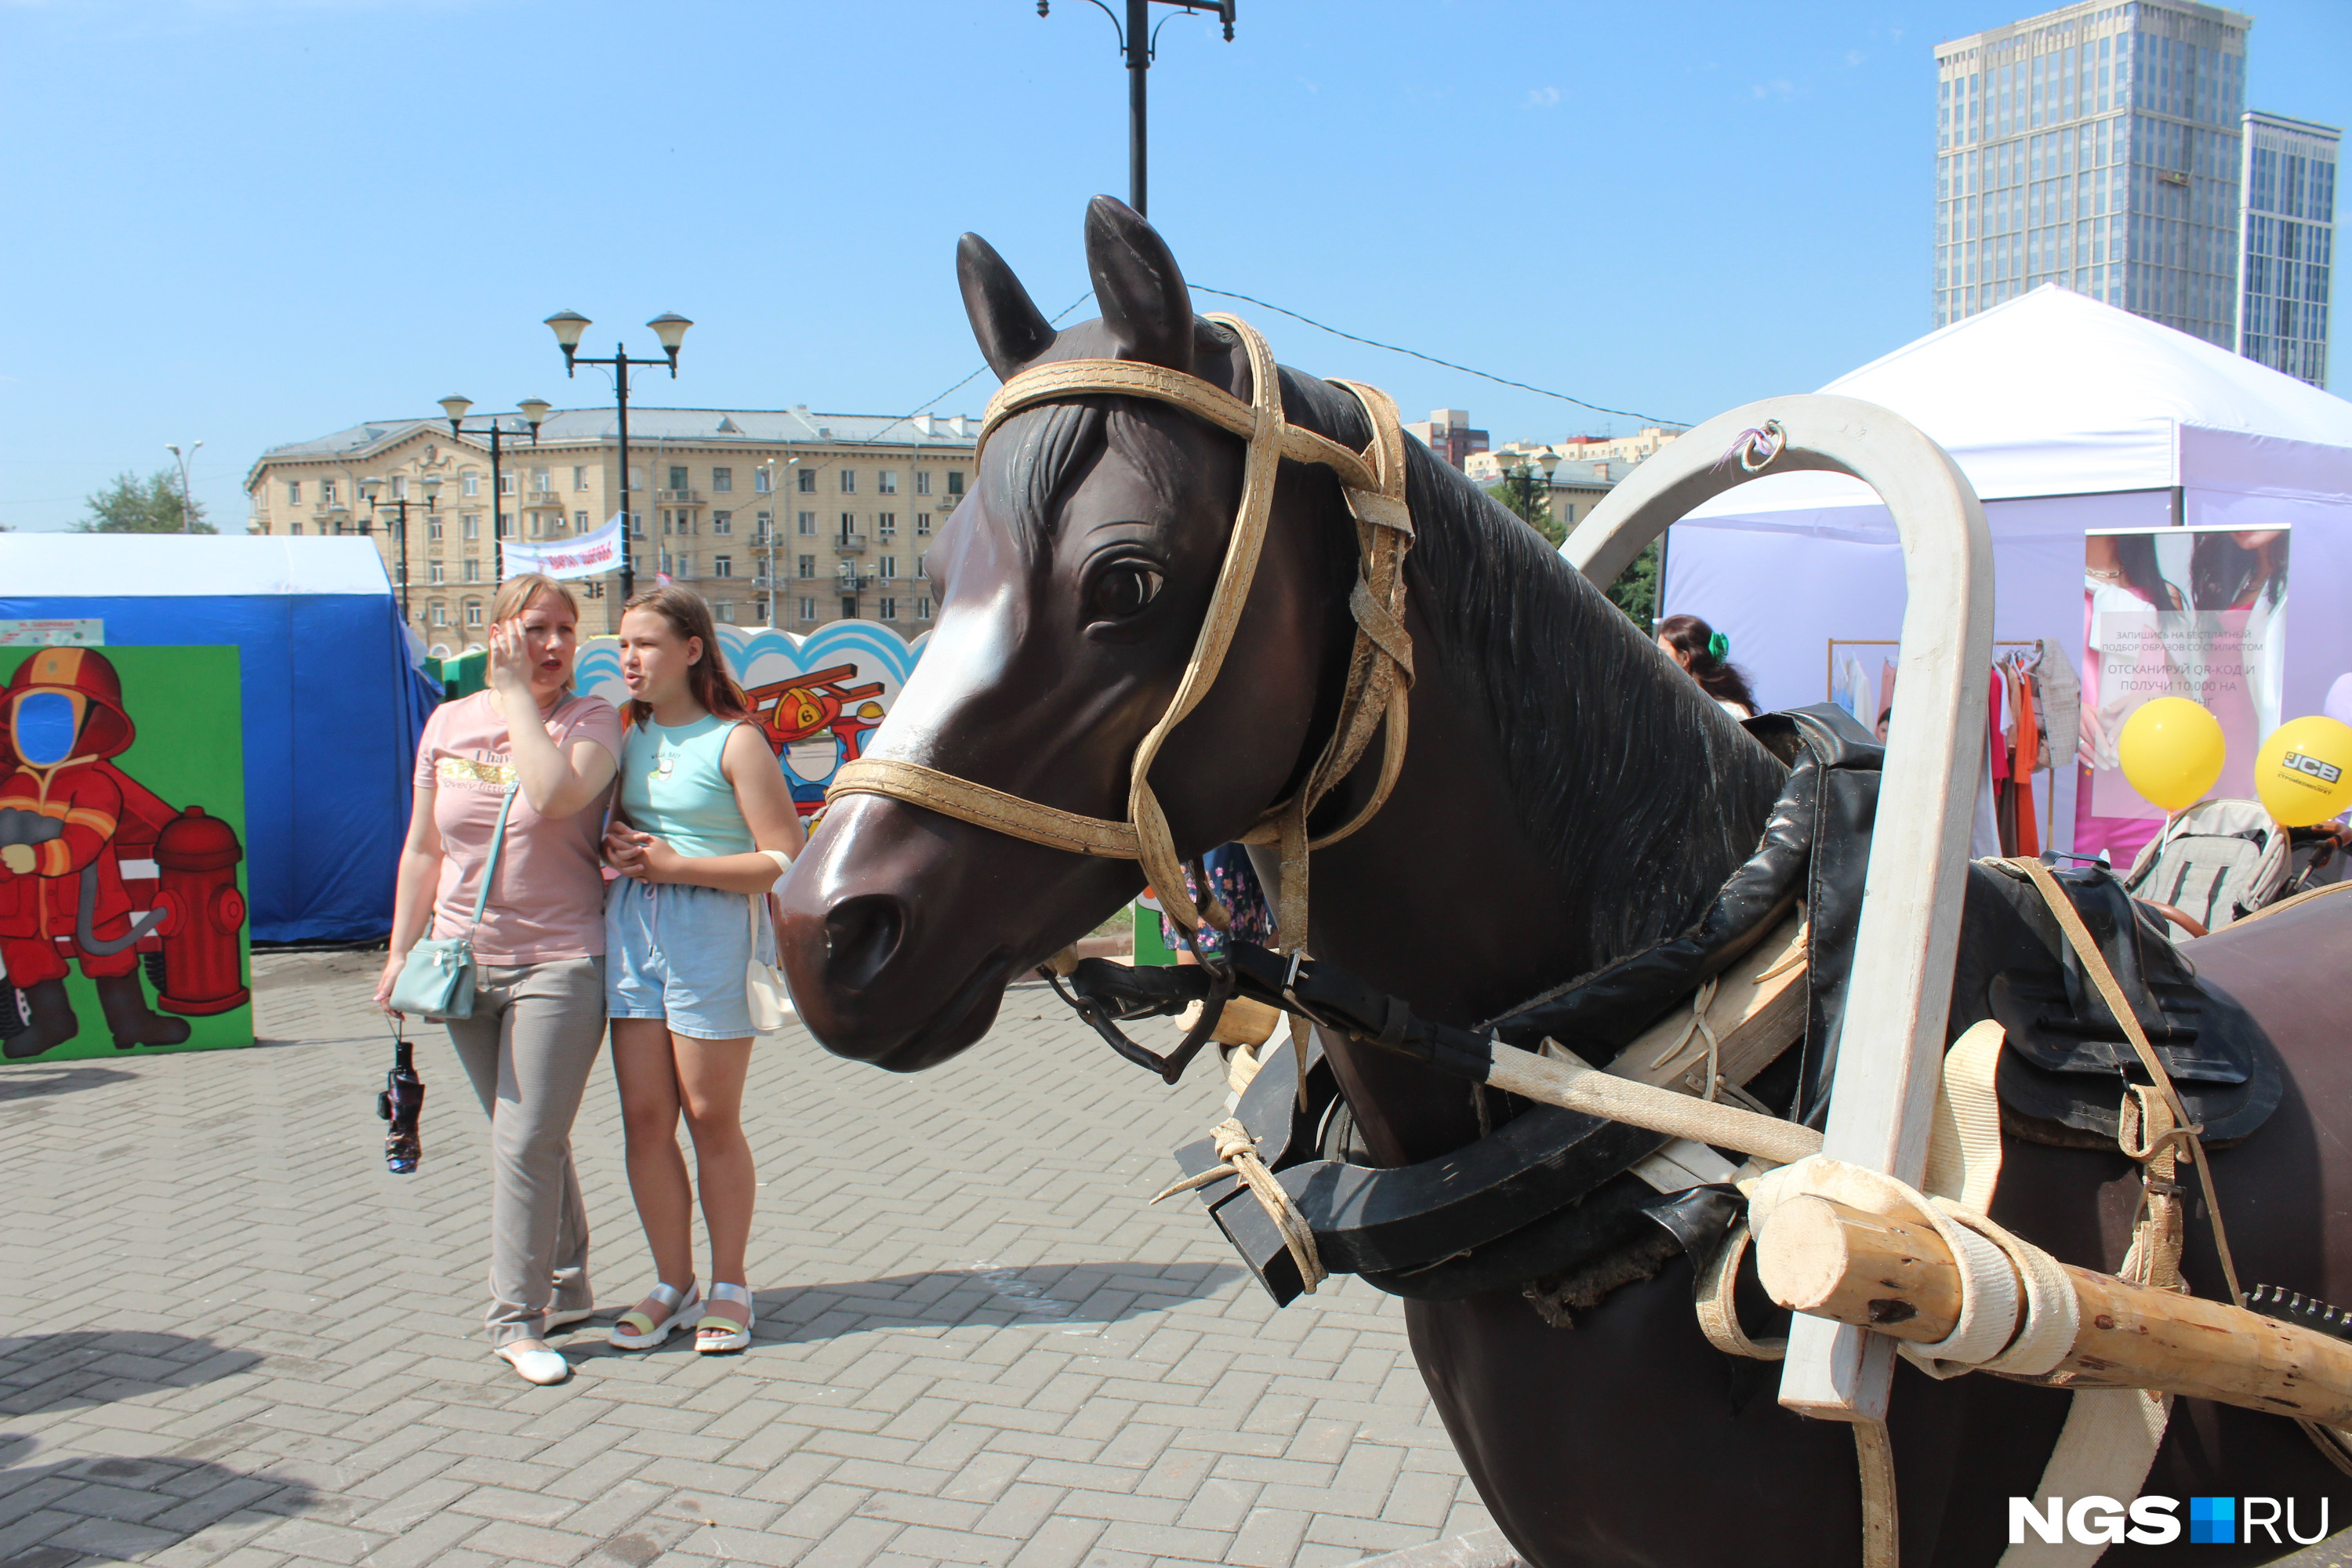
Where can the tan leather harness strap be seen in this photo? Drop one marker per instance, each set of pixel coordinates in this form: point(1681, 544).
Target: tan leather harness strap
point(986, 807)
point(1379, 670)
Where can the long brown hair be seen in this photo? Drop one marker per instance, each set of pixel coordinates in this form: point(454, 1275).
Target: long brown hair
point(1710, 659)
point(688, 615)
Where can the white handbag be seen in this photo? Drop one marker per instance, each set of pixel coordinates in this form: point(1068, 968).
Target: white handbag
point(763, 981)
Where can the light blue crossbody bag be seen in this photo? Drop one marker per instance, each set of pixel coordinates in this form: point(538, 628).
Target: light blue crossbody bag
point(437, 980)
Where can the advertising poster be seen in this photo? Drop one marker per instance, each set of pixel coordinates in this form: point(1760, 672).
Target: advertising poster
point(2199, 613)
point(122, 891)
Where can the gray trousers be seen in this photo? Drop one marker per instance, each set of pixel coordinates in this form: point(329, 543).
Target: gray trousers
point(528, 1048)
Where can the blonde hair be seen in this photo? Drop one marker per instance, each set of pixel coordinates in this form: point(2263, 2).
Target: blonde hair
point(519, 593)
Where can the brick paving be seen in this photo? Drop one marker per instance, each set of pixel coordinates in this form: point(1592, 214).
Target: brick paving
point(238, 1340)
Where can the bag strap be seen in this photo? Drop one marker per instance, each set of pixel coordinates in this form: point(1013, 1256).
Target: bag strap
point(490, 867)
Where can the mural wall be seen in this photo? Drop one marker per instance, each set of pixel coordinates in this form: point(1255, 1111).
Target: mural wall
point(122, 895)
point(817, 698)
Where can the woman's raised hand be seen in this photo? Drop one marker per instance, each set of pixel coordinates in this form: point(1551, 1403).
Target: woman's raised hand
point(510, 661)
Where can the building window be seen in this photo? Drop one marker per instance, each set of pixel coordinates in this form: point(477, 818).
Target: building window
point(325, 492)
point(293, 492)
point(887, 568)
point(637, 479)
point(890, 609)
point(922, 525)
point(723, 481)
point(579, 478)
point(684, 566)
point(295, 528)
point(849, 481)
point(885, 524)
point(808, 609)
point(922, 482)
point(759, 481)
point(440, 614)
point(435, 573)
point(723, 610)
point(579, 522)
point(678, 477)
point(849, 606)
point(542, 480)
point(922, 563)
point(848, 526)
point(473, 569)
point(808, 488)
point(469, 483)
point(473, 525)
point(433, 529)
point(636, 525)
point(807, 524)
point(473, 612)
point(886, 481)
point(808, 565)
point(767, 521)
point(955, 481)
point(506, 485)
point(722, 523)
point(722, 566)
point(923, 609)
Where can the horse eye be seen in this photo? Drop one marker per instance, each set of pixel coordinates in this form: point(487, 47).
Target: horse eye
point(1124, 590)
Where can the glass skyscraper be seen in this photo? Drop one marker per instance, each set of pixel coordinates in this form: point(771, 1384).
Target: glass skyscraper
point(2290, 236)
point(2099, 147)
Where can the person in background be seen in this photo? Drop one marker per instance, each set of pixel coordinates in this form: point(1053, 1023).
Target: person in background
point(1705, 654)
point(538, 988)
point(707, 826)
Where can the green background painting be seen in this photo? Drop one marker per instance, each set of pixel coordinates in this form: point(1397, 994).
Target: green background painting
point(190, 750)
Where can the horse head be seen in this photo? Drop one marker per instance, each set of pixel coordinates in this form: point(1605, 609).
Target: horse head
point(1072, 583)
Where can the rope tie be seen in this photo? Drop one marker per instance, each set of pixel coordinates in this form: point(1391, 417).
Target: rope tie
point(1238, 1150)
point(1700, 1002)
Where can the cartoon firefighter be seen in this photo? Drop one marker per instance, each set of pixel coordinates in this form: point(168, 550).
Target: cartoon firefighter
point(63, 807)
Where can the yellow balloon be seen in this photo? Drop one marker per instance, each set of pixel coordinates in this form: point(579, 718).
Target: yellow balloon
point(2172, 751)
point(2304, 772)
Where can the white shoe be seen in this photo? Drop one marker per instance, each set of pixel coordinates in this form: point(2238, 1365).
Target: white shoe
point(543, 1366)
point(637, 1330)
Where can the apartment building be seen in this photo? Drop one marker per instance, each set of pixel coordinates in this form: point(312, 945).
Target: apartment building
point(2286, 247)
point(789, 518)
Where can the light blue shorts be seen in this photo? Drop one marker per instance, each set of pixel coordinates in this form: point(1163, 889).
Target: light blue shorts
point(679, 952)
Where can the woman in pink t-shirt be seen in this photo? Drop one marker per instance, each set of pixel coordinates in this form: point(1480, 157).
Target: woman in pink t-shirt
point(539, 992)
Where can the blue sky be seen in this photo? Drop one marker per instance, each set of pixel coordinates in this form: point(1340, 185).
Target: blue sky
point(257, 221)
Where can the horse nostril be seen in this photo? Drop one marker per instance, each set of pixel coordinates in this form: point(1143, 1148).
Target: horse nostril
point(861, 935)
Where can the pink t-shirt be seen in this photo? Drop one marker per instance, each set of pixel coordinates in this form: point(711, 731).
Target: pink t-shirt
point(546, 901)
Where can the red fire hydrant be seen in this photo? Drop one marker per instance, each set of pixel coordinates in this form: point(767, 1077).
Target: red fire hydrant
point(197, 856)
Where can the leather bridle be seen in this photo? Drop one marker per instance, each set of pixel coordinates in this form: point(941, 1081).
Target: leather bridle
point(1380, 668)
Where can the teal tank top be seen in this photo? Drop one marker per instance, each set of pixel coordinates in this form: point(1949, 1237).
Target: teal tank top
point(671, 787)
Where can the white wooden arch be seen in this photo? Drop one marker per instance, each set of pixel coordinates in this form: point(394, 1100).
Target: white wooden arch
point(1891, 1050)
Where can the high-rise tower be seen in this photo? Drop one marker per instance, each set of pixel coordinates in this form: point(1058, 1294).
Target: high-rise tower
point(2287, 243)
point(2098, 146)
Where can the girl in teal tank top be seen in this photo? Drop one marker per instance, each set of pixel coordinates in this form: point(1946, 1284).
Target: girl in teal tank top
point(705, 824)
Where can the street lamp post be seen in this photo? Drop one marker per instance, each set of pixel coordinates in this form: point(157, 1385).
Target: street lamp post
point(1529, 490)
point(369, 489)
point(1138, 42)
point(671, 327)
point(183, 459)
point(534, 411)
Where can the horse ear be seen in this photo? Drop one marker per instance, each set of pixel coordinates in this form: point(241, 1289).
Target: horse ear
point(1144, 301)
point(1011, 329)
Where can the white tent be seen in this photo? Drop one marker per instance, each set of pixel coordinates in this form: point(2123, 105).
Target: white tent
point(2067, 415)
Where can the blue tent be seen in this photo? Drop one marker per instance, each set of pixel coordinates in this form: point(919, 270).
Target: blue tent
point(334, 695)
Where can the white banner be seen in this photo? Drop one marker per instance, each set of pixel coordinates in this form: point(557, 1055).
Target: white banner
point(583, 557)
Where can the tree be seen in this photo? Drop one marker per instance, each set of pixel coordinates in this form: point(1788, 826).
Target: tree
point(134, 505)
point(1635, 591)
point(1523, 494)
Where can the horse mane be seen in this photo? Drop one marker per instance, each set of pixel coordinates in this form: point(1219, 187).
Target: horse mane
point(1641, 791)
point(1642, 794)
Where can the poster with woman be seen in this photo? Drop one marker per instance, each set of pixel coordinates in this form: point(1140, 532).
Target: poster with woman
point(2199, 613)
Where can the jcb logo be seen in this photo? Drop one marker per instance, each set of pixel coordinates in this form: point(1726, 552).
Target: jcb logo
point(2326, 772)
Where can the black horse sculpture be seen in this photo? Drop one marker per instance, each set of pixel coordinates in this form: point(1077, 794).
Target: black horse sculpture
point(1568, 797)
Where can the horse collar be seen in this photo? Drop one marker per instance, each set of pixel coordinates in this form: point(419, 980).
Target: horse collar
point(1379, 670)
